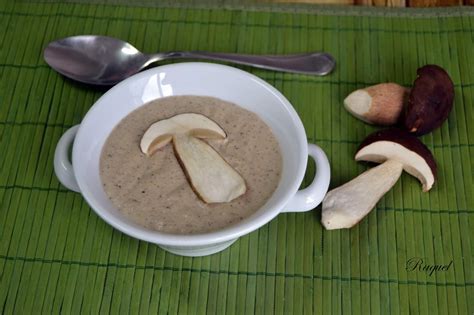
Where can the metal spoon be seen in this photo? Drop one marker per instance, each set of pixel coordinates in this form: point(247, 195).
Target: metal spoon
point(103, 60)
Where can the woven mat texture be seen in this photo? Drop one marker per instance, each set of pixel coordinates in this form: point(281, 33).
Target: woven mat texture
point(58, 256)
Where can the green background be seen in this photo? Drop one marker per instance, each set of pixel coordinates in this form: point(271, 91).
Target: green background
point(57, 255)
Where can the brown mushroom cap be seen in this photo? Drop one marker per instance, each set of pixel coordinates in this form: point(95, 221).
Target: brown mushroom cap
point(400, 145)
point(430, 101)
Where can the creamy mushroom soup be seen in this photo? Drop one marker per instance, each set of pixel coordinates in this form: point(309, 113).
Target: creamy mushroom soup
point(154, 191)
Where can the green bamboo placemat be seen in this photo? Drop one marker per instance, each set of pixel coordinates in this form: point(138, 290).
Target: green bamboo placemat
point(56, 255)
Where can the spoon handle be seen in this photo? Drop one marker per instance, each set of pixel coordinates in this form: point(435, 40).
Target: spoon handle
point(315, 63)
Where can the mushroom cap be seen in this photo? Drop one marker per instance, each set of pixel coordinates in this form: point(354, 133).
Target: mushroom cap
point(161, 133)
point(400, 145)
point(430, 101)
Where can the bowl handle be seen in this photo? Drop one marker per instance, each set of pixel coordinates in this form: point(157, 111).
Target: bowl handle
point(310, 197)
point(62, 165)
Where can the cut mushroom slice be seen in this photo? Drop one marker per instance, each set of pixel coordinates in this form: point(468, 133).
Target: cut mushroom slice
point(210, 176)
point(160, 133)
point(399, 145)
point(397, 150)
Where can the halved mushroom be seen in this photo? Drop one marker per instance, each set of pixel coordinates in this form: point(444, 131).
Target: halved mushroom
point(397, 150)
point(210, 176)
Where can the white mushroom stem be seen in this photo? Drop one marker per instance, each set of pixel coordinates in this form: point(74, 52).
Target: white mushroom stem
point(210, 176)
point(379, 104)
point(345, 206)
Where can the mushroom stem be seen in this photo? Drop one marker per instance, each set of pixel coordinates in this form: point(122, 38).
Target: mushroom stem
point(345, 206)
point(210, 176)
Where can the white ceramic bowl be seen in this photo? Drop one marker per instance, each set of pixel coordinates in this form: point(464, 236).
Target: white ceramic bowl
point(195, 78)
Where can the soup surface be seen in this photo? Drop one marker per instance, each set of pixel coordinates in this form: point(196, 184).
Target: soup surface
point(153, 190)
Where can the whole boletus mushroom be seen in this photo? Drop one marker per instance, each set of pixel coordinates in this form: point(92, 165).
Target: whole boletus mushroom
point(430, 100)
point(396, 150)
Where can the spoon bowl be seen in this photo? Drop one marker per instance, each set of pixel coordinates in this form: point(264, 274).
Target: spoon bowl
point(94, 59)
point(103, 60)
